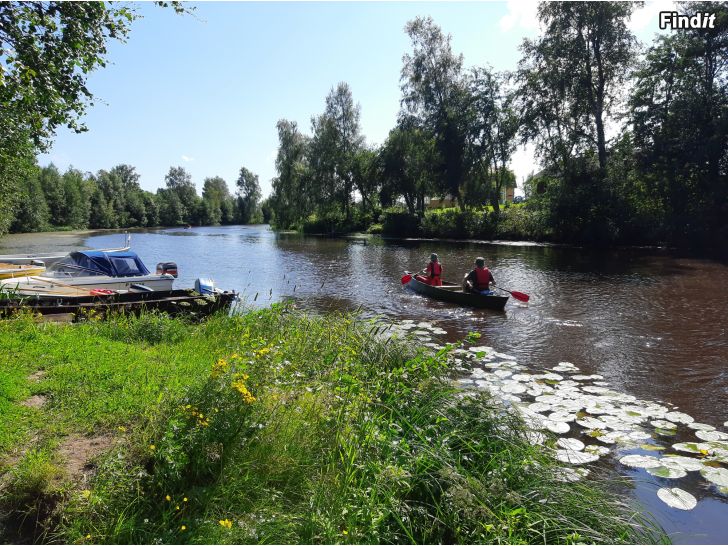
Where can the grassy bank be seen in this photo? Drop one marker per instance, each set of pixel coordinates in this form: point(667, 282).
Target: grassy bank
point(271, 427)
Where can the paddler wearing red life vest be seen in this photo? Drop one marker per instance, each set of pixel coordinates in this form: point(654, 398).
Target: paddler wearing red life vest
point(434, 271)
point(479, 279)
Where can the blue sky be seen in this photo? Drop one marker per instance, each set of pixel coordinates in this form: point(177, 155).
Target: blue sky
point(204, 91)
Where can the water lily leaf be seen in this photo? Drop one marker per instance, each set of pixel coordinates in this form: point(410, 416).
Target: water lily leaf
point(663, 424)
point(679, 417)
point(575, 457)
point(540, 407)
point(677, 498)
point(665, 472)
point(639, 435)
point(666, 431)
point(556, 427)
point(570, 474)
point(570, 443)
point(711, 435)
point(591, 422)
point(687, 463)
point(562, 417)
point(513, 388)
point(597, 450)
point(692, 447)
point(651, 447)
point(700, 426)
point(640, 461)
point(718, 476)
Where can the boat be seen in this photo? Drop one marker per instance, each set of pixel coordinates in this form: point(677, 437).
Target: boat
point(453, 293)
point(94, 270)
point(77, 308)
point(49, 259)
point(9, 271)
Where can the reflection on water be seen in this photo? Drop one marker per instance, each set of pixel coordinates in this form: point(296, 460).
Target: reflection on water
point(653, 324)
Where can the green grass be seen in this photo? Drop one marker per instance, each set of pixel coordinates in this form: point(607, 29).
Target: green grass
point(273, 427)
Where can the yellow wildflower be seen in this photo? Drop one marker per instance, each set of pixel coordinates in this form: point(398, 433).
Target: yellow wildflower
point(122, 429)
point(239, 386)
point(226, 523)
point(86, 493)
point(152, 447)
point(88, 536)
point(344, 532)
point(183, 527)
point(184, 500)
point(168, 498)
point(176, 507)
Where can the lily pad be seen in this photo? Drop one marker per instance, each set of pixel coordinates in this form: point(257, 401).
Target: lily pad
point(640, 461)
point(700, 426)
point(597, 450)
point(677, 498)
point(692, 447)
point(667, 472)
point(591, 422)
point(575, 457)
point(556, 427)
point(679, 417)
point(570, 474)
point(711, 435)
point(659, 423)
point(651, 447)
point(686, 463)
point(718, 476)
point(570, 443)
point(562, 417)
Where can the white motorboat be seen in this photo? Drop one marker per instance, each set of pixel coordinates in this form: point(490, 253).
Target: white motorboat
point(94, 270)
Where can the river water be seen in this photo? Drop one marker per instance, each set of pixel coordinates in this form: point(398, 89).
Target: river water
point(652, 323)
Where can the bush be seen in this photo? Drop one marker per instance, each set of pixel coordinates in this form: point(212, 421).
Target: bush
point(400, 223)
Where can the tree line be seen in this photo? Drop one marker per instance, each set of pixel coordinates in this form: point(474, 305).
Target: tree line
point(49, 199)
point(632, 140)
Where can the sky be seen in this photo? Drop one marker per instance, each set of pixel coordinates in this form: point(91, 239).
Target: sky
point(204, 90)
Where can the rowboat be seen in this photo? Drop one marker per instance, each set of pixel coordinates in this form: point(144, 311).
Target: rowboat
point(10, 271)
point(453, 293)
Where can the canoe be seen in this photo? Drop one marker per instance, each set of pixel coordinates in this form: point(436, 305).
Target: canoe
point(172, 302)
point(453, 293)
point(11, 271)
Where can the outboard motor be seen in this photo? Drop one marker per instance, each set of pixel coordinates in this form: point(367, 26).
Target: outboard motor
point(167, 268)
point(205, 286)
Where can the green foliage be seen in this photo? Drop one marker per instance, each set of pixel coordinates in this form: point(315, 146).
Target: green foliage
point(400, 223)
point(248, 197)
point(279, 427)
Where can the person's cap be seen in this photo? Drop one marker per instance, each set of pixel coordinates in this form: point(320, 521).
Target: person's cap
point(433, 257)
point(480, 261)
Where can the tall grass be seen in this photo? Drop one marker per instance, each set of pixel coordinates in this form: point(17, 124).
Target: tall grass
point(287, 428)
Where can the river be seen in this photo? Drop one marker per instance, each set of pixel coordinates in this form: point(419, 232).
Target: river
point(649, 321)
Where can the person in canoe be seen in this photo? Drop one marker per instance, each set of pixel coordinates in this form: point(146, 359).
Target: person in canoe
point(479, 279)
point(432, 274)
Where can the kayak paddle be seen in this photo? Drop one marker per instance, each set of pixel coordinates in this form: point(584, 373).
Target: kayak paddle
point(406, 278)
point(518, 295)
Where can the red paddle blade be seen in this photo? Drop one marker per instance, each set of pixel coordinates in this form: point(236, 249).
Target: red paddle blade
point(520, 296)
point(406, 279)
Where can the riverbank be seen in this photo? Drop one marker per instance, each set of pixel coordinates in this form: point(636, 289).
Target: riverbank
point(272, 426)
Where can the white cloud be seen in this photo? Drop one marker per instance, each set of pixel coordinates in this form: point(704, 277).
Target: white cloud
point(187, 159)
point(521, 14)
point(644, 16)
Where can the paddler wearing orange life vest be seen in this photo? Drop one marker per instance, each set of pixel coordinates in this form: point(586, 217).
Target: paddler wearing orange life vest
point(434, 271)
point(479, 279)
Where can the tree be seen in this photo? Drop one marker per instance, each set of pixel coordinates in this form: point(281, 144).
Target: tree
point(32, 211)
point(76, 206)
point(434, 94)
point(248, 196)
point(47, 50)
point(493, 135)
point(179, 183)
point(580, 64)
point(215, 195)
point(679, 116)
point(54, 193)
point(292, 199)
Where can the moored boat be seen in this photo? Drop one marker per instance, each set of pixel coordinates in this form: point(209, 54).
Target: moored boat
point(172, 302)
point(10, 271)
point(453, 293)
point(94, 270)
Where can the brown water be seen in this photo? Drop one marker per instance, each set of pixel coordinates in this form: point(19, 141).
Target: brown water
point(652, 323)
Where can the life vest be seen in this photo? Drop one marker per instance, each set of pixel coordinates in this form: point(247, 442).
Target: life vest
point(483, 277)
point(434, 269)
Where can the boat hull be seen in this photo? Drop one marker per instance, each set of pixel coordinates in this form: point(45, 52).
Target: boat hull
point(452, 293)
point(35, 285)
point(11, 271)
point(172, 302)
